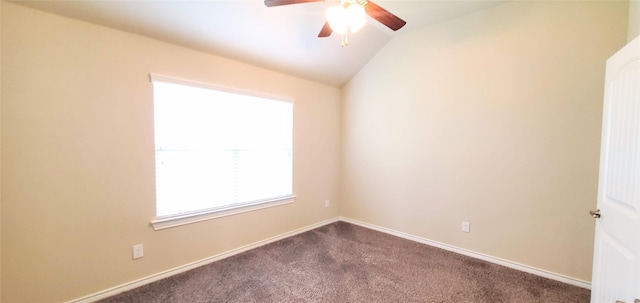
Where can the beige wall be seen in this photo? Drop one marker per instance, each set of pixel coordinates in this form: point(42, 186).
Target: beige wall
point(634, 20)
point(0, 153)
point(78, 163)
point(493, 118)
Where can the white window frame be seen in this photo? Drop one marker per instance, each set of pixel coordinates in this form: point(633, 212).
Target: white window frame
point(212, 213)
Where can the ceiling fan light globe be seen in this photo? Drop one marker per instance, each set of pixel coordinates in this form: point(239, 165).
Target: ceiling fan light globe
point(356, 26)
point(356, 17)
point(337, 18)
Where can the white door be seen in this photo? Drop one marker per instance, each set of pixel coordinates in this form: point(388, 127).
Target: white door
point(616, 263)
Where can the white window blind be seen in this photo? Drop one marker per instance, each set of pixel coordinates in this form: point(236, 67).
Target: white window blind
point(218, 149)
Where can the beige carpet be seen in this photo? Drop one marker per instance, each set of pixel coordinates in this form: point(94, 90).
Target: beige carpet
point(342, 262)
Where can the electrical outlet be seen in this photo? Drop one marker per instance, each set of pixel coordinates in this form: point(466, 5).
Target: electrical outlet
point(326, 203)
point(138, 251)
point(465, 226)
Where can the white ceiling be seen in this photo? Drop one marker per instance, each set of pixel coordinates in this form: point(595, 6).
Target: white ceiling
point(280, 38)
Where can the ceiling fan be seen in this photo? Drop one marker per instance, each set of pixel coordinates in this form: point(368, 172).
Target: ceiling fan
point(354, 10)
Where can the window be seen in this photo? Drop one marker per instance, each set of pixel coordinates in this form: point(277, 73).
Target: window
point(218, 151)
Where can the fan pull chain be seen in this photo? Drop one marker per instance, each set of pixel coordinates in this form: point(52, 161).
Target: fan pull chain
point(345, 39)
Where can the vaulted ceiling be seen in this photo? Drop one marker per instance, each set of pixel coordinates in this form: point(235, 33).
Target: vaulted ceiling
point(280, 38)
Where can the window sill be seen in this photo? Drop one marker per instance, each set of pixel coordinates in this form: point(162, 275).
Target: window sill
point(173, 221)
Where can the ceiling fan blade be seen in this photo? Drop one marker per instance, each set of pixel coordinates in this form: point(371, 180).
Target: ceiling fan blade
point(325, 31)
point(383, 16)
point(271, 3)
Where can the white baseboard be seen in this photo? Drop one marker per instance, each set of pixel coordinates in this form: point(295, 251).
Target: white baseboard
point(462, 251)
point(180, 269)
